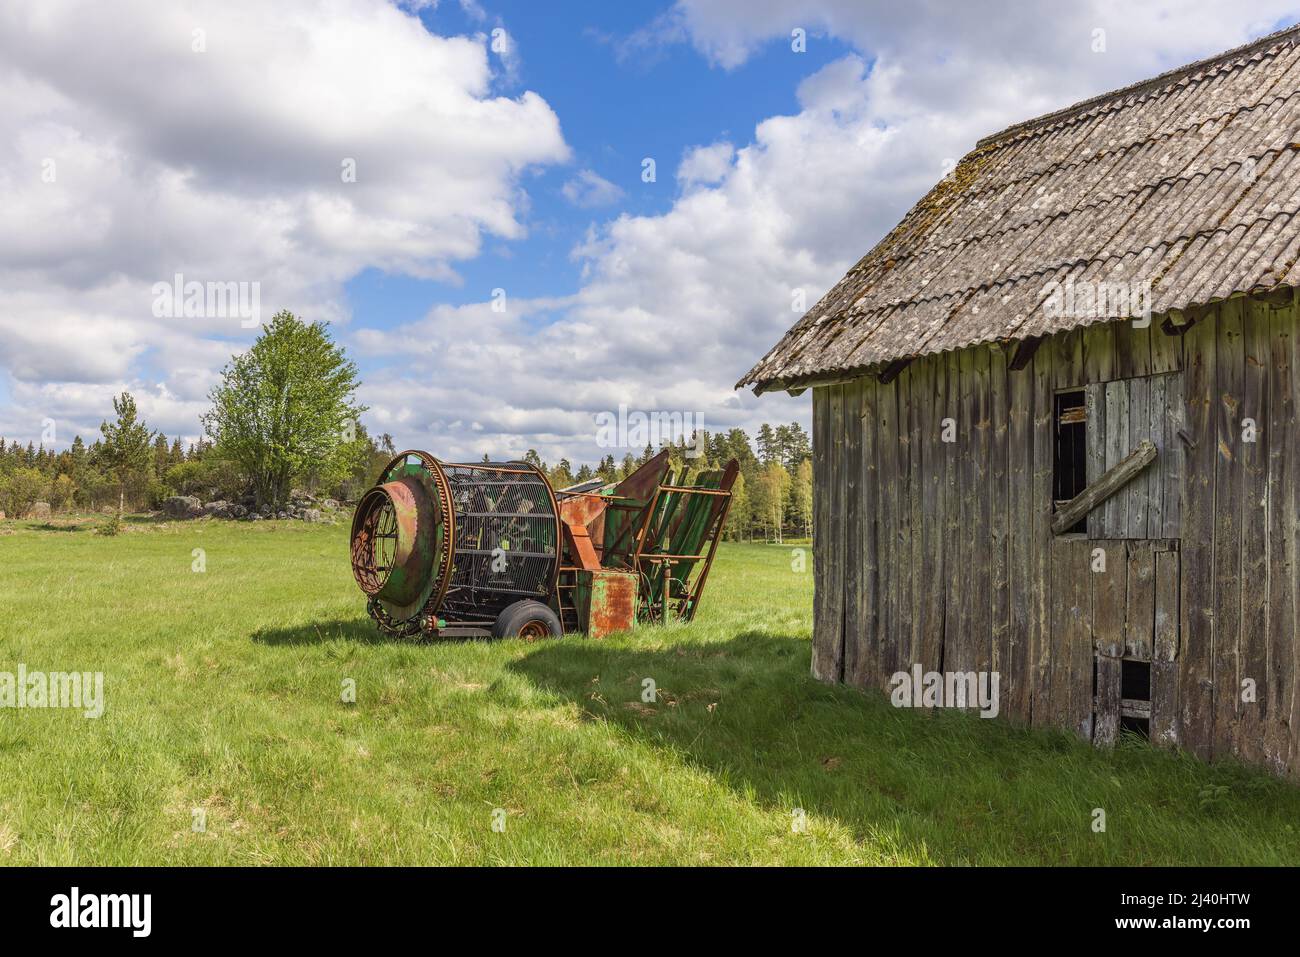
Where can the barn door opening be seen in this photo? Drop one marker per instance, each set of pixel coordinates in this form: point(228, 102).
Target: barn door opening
point(1134, 605)
point(1118, 466)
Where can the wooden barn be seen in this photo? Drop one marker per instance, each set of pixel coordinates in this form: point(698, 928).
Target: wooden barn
point(1018, 472)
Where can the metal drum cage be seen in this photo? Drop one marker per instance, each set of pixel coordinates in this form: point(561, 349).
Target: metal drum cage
point(506, 542)
point(454, 541)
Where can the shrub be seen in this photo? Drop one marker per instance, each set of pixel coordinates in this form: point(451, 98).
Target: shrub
point(112, 527)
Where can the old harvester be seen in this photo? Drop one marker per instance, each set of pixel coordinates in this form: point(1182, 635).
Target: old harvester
point(490, 548)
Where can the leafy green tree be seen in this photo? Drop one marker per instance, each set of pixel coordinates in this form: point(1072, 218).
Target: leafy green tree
point(739, 512)
point(768, 449)
point(801, 495)
point(286, 408)
point(126, 452)
point(770, 494)
point(20, 490)
point(562, 475)
point(62, 489)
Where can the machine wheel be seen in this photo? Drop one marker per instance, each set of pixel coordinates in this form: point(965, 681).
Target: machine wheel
point(529, 620)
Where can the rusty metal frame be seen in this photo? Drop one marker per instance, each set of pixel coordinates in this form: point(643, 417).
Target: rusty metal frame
point(448, 514)
point(717, 520)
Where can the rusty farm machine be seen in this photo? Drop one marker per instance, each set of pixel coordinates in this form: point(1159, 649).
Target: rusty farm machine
point(490, 548)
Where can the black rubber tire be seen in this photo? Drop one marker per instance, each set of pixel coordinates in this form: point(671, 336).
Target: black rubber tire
point(530, 615)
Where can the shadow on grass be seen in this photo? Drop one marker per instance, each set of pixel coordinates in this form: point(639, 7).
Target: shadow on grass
point(361, 630)
point(940, 786)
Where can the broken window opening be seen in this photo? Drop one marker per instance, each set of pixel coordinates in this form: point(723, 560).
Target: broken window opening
point(1139, 726)
point(1135, 680)
point(1069, 462)
point(1135, 694)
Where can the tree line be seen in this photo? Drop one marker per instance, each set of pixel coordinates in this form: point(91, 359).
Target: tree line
point(772, 497)
point(285, 418)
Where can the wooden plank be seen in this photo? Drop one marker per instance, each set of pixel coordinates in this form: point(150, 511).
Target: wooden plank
point(1109, 587)
point(1109, 682)
point(1196, 583)
point(849, 438)
point(919, 385)
point(1109, 584)
point(1105, 489)
point(981, 554)
point(1117, 447)
point(999, 518)
point(1139, 616)
point(1253, 467)
point(861, 654)
point(1228, 498)
point(1166, 352)
point(1290, 507)
point(1067, 360)
point(1172, 465)
point(1164, 726)
point(887, 534)
point(1044, 408)
point(1015, 683)
point(823, 534)
point(1282, 467)
point(1133, 349)
point(1156, 475)
point(952, 496)
point(1139, 430)
point(1024, 353)
point(934, 457)
point(830, 666)
point(1071, 633)
point(905, 473)
point(964, 646)
point(1099, 352)
point(1095, 456)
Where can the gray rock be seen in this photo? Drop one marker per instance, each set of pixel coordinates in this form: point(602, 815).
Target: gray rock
point(312, 515)
point(330, 504)
point(183, 506)
point(225, 510)
point(39, 510)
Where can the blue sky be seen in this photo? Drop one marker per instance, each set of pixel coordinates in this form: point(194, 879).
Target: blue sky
point(618, 103)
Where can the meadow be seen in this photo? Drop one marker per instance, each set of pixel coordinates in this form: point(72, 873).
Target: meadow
point(227, 649)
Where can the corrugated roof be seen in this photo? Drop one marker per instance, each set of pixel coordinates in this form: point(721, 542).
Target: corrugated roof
point(1189, 181)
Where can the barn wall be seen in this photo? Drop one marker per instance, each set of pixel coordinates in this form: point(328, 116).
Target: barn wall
point(940, 553)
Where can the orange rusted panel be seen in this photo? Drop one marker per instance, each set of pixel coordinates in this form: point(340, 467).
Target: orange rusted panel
point(606, 601)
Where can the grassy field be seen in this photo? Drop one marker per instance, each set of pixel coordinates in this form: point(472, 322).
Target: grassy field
point(223, 694)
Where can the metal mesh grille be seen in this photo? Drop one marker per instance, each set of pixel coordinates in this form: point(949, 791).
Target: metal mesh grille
point(506, 537)
point(374, 540)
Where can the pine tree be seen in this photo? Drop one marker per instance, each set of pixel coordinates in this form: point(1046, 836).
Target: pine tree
point(125, 452)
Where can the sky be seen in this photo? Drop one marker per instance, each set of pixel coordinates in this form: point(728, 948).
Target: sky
point(514, 216)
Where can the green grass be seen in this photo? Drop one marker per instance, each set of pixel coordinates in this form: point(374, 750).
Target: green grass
point(223, 693)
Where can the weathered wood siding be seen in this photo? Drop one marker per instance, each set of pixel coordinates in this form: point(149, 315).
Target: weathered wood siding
point(1121, 414)
point(940, 553)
